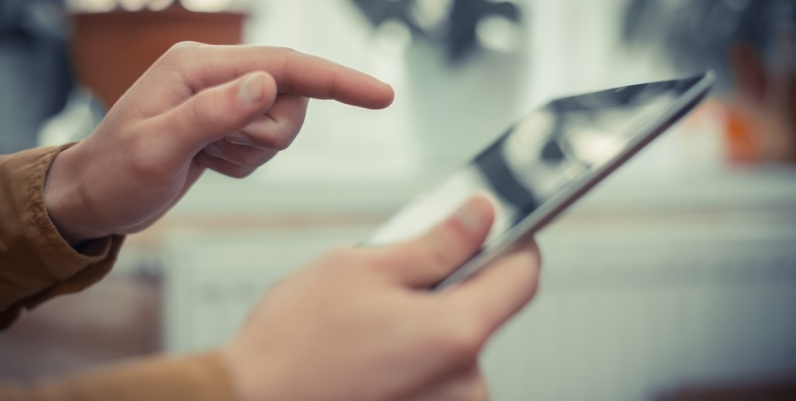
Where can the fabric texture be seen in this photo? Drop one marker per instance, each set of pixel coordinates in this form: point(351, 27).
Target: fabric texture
point(36, 263)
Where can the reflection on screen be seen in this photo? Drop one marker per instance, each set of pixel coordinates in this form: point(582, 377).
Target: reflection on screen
point(543, 154)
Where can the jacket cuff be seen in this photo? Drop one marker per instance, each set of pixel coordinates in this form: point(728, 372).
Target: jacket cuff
point(36, 262)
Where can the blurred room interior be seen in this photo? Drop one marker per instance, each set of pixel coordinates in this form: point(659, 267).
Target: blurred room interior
point(675, 279)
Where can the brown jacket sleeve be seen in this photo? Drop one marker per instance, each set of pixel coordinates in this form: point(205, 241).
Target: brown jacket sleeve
point(36, 263)
point(194, 378)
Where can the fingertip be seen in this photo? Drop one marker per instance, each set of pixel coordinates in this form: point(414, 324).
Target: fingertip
point(387, 95)
point(426, 260)
point(476, 216)
point(485, 207)
point(380, 95)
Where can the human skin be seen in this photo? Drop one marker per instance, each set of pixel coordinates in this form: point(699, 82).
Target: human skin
point(361, 324)
point(224, 108)
point(356, 324)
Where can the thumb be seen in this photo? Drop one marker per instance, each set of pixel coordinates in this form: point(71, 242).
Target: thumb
point(428, 259)
point(219, 111)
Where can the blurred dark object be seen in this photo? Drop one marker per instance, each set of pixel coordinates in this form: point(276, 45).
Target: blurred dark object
point(118, 318)
point(452, 23)
point(112, 50)
point(783, 391)
point(751, 45)
point(35, 76)
point(698, 35)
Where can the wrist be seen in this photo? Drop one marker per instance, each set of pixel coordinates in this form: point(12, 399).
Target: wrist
point(64, 200)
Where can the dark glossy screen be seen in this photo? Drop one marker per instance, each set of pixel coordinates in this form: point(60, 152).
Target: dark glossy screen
point(545, 153)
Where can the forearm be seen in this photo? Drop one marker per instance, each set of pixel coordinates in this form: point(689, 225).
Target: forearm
point(195, 378)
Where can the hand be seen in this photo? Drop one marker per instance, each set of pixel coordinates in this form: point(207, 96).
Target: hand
point(226, 108)
point(359, 324)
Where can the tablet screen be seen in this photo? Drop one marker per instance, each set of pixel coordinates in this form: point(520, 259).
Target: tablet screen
point(547, 152)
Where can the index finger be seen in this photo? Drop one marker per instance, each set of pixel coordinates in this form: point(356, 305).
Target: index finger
point(204, 66)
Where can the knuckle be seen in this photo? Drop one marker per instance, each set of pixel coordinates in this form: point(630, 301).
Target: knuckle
point(179, 57)
point(274, 133)
point(463, 345)
point(243, 172)
point(285, 49)
point(250, 163)
point(183, 47)
point(257, 157)
point(281, 142)
point(246, 161)
point(237, 172)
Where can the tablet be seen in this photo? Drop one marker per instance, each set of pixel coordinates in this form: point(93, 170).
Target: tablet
point(546, 161)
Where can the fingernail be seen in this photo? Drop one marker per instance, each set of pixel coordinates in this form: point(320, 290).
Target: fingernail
point(213, 150)
point(252, 89)
point(240, 138)
point(470, 217)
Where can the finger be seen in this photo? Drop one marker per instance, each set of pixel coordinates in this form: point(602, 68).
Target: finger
point(470, 386)
point(499, 291)
point(244, 156)
point(296, 73)
point(222, 166)
point(215, 113)
point(277, 128)
point(427, 260)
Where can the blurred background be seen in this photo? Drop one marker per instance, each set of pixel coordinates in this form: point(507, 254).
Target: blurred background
point(675, 279)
